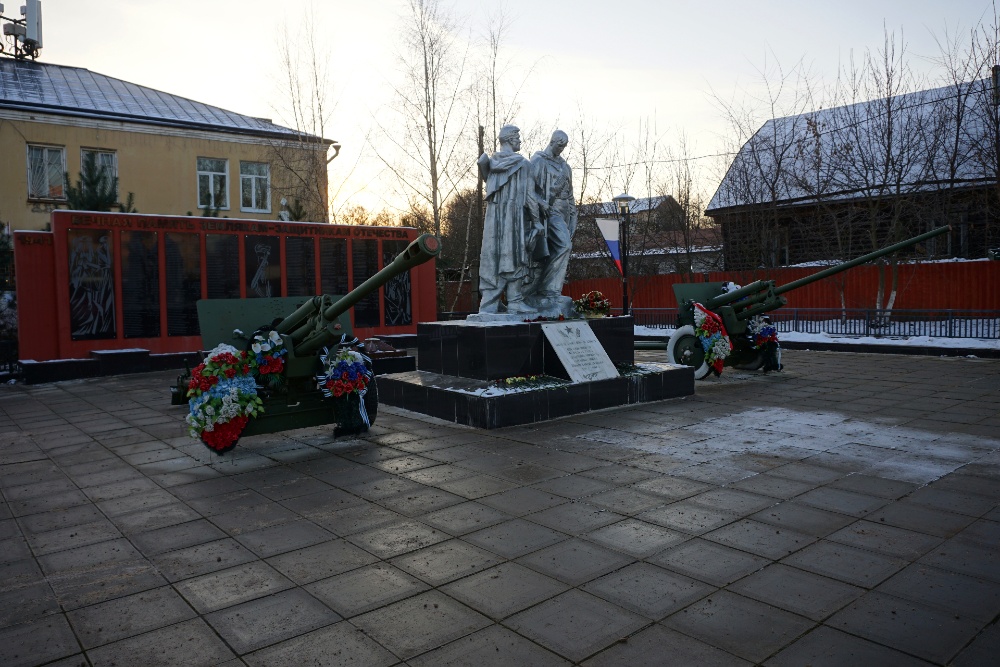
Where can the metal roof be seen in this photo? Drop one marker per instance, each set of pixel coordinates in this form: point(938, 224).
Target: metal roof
point(75, 91)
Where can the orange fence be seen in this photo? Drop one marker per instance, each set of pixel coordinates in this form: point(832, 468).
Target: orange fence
point(956, 285)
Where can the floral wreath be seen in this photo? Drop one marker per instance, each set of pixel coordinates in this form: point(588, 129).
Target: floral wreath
point(713, 337)
point(592, 303)
point(267, 349)
point(222, 397)
point(765, 337)
point(346, 372)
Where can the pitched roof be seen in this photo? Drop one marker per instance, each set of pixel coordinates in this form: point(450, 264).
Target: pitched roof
point(640, 205)
point(75, 91)
point(839, 154)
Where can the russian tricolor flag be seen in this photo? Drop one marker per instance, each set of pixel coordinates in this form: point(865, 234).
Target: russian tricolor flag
point(609, 230)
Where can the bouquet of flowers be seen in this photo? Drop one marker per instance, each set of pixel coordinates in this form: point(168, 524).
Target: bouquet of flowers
point(346, 374)
point(765, 338)
point(222, 397)
point(267, 350)
point(592, 303)
point(713, 337)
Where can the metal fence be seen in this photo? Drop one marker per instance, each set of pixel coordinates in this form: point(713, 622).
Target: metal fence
point(860, 321)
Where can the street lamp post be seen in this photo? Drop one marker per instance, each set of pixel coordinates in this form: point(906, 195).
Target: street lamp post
point(624, 204)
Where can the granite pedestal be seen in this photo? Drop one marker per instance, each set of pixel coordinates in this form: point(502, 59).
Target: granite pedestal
point(458, 363)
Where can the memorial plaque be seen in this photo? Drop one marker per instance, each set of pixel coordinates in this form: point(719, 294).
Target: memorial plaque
point(579, 351)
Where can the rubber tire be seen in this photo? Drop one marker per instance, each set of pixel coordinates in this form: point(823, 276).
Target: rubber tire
point(699, 371)
point(754, 364)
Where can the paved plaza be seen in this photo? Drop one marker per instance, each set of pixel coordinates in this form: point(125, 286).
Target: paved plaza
point(843, 512)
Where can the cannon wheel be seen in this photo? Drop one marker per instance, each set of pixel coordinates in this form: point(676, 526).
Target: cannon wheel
point(684, 349)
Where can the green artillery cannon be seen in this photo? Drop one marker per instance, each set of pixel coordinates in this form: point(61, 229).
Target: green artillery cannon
point(739, 309)
point(293, 399)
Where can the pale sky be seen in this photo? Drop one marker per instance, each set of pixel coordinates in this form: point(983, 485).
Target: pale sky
point(620, 60)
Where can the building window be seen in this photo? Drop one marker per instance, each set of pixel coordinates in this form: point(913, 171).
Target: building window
point(106, 163)
point(46, 172)
point(213, 192)
point(255, 190)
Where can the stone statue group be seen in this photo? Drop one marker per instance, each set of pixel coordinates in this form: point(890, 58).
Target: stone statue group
point(528, 231)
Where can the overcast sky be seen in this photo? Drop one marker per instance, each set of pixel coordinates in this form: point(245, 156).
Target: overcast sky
point(620, 60)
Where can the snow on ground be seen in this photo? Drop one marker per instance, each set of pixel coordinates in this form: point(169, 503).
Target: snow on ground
point(908, 341)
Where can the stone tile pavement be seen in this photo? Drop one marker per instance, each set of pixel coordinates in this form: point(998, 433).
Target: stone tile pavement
point(843, 512)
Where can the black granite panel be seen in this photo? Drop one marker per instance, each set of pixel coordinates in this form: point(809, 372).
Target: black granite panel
point(429, 347)
point(386, 365)
point(511, 351)
point(617, 336)
point(38, 372)
point(119, 362)
point(569, 400)
point(609, 393)
point(470, 352)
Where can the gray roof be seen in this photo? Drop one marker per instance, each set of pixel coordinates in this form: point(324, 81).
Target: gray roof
point(74, 91)
point(938, 141)
point(640, 205)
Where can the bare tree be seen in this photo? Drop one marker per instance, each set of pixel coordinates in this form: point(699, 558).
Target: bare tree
point(422, 148)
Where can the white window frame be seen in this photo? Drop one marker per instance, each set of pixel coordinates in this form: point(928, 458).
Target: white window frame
point(62, 175)
point(99, 152)
point(212, 187)
point(253, 179)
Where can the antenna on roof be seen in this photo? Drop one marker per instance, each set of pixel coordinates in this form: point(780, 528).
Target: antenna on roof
point(23, 36)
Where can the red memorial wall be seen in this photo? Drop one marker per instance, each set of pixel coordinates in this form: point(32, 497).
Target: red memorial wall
point(112, 281)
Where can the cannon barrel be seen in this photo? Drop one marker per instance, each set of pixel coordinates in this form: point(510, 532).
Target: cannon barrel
point(751, 289)
point(325, 332)
point(801, 282)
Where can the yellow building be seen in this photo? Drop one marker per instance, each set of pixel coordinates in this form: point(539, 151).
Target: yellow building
point(176, 155)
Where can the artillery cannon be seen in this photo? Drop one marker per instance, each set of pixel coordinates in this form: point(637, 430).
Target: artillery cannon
point(739, 309)
point(292, 397)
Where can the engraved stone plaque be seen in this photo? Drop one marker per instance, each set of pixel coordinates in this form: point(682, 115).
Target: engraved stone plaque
point(579, 351)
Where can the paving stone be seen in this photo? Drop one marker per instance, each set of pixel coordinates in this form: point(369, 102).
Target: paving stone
point(418, 503)
point(575, 517)
point(982, 650)
point(921, 518)
point(357, 519)
point(827, 647)
point(575, 561)
point(515, 538)
point(732, 501)
point(652, 646)
point(248, 520)
point(102, 553)
point(366, 588)
point(797, 591)
point(131, 615)
point(284, 537)
point(421, 623)
point(749, 629)
point(886, 539)
point(182, 535)
point(521, 501)
point(504, 590)
point(626, 500)
point(966, 557)
point(842, 501)
point(258, 623)
point(397, 538)
point(775, 487)
point(688, 517)
point(844, 563)
point(233, 586)
point(959, 594)
point(636, 538)
point(337, 645)
point(493, 646)
point(575, 624)
point(321, 561)
point(445, 561)
point(574, 486)
point(671, 488)
point(714, 473)
point(710, 562)
point(57, 501)
point(189, 643)
point(464, 518)
point(761, 538)
point(906, 626)
point(202, 559)
point(157, 517)
point(477, 486)
point(952, 501)
point(803, 518)
point(37, 642)
point(648, 590)
point(806, 472)
point(73, 536)
point(983, 531)
point(21, 603)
